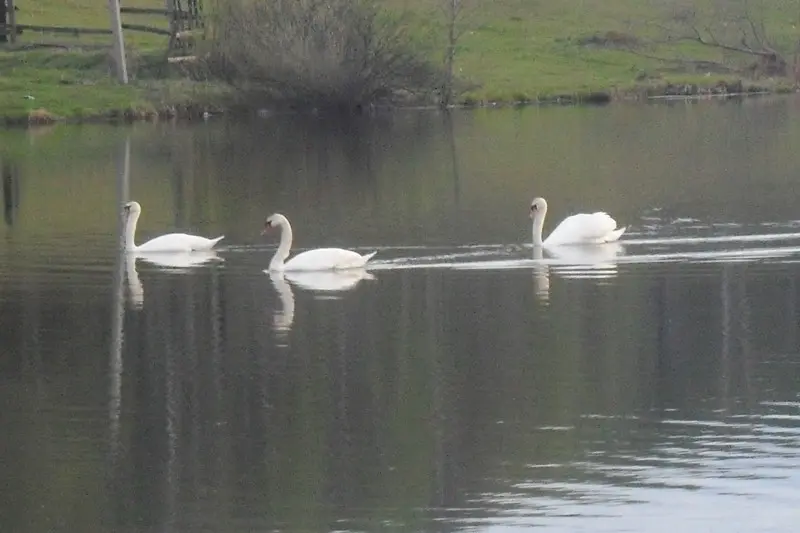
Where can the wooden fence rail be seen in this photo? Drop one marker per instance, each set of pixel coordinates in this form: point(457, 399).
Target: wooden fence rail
point(179, 22)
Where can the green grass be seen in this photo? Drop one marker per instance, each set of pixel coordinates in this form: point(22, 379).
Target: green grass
point(77, 83)
point(529, 48)
point(511, 50)
point(70, 88)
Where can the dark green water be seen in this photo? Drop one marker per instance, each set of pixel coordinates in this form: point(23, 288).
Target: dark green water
point(650, 387)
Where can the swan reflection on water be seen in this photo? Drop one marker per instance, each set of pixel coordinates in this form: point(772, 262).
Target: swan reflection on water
point(135, 288)
point(283, 316)
point(541, 276)
point(179, 260)
point(169, 262)
point(325, 285)
point(597, 261)
point(331, 281)
point(587, 261)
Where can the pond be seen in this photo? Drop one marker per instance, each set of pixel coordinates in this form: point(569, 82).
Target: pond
point(464, 382)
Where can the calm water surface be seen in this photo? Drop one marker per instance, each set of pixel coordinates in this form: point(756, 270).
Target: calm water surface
point(466, 383)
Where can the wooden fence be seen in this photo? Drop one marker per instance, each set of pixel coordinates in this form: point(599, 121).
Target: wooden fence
point(184, 16)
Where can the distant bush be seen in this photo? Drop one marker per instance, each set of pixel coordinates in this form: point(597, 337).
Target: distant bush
point(318, 53)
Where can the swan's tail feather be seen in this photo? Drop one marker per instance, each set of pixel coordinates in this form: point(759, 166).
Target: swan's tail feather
point(369, 256)
point(215, 241)
point(616, 234)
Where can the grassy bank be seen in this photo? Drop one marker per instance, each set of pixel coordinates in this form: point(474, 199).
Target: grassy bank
point(510, 51)
point(528, 50)
point(41, 80)
point(45, 85)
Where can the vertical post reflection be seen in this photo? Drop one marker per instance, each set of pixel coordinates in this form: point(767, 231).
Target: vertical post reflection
point(438, 395)
point(743, 314)
point(451, 138)
point(736, 345)
point(183, 167)
point(173, 427)
point(117, 319)
point(10, 177)
point(791, 315)
point(217, 465)
point(724, 373)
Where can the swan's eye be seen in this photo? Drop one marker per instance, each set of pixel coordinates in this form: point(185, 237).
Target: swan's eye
point(534, 207)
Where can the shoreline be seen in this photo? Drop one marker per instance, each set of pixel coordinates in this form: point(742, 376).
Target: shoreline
point(193, 111)
point(508, 55)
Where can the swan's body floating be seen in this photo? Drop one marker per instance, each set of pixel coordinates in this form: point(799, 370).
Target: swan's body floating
point(583, 228)
point(318, 259)
point(173, 242)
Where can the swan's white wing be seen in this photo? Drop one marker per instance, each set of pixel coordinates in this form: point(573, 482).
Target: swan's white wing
point(327, 259)
point(178, 242)
point(585, 228)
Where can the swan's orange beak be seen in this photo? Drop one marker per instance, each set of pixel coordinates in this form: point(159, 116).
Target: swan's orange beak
point(266, 229)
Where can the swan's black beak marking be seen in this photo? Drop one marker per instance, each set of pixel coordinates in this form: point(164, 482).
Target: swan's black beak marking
point(267, 227)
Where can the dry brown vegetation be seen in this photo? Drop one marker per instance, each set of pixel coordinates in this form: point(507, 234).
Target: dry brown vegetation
point(318, 53)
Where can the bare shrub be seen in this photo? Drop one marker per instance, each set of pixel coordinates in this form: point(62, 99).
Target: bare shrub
point(320, 53)
point(735, 29)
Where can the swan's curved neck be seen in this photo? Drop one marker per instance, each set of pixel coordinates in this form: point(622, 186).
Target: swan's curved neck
point(283, 248)
point(538, 224)
point(130, 231)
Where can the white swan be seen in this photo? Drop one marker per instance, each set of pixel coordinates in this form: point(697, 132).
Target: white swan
point(583, 228)
point(311, 260)
point(173, 242)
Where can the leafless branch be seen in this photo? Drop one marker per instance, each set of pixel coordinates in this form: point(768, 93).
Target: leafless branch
point(735, 27)
point(678, 60)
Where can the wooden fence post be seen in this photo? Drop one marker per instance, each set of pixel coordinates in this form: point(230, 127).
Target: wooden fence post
point(12, 22)
point(3, 22)
point(119, 42)
point(173, 30)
